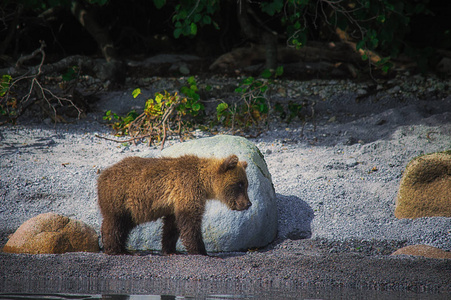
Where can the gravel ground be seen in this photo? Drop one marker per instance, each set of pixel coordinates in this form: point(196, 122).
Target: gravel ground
point(336, 185)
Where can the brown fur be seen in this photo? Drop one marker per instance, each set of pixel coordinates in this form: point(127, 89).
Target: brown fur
point(138, 190)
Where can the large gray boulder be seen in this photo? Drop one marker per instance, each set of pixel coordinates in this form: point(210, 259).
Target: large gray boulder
point(224, 229)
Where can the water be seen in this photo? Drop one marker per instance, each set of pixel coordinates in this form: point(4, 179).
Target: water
point(121, 289)
point(338, 295)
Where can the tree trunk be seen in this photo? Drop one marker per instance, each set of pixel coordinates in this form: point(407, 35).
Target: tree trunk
point(101, 36)
point(113, 69)
point(260, 35)
point(11, 30)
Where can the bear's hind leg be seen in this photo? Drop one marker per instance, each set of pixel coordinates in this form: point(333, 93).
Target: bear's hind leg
point(170, 235)
point(115, 231)
point(191, 233)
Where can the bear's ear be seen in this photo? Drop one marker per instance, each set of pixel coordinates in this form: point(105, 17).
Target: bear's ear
point(229, 163)
point(244, 164)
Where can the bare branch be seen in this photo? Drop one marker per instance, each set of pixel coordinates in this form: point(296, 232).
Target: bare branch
point(36, 90)
point(35, 53)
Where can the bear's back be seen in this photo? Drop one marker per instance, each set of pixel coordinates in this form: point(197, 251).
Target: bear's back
point(149, 188)
point(134, 174)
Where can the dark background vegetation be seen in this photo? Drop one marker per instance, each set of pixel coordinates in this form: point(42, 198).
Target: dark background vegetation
point(416, 28)
point(70, 38)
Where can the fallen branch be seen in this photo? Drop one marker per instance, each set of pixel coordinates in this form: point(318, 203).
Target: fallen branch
point(123, 141)
point(344, 37)
point(315, 51)
point(153, 130)
point(36, 90)
point(35, 53)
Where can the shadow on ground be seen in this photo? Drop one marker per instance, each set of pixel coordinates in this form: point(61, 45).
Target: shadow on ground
point(297, 223)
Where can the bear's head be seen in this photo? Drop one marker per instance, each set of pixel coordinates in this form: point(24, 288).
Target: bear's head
point(230, 186)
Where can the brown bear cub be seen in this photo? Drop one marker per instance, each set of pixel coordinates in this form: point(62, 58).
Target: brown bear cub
point(138, 190)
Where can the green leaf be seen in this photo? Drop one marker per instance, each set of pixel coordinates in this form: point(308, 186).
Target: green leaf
point(5, 81)
point(185, 90)
point(70, 74)
point(360, 45)
point(266, 74)
point(206, 19)
point(296, 43)
point(107, 115)
point(272, 7)
point(248, 80)
point(381, 18)
point(136, 92)
point(221, 107)
point(99, 2)
point(177, 32)
point(297, 25)
point(182, 14)
point(197, 17)
point(279, 71)
point(191, 80)
point(193, 28)
point(186, 30)
point(196, 106)
point(158, 98)
point(263, 108)
point(159, 3)
point(211, 9)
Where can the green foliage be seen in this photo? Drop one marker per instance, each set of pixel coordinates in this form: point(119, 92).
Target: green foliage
point(381, 25)
point(165, 113)
point(289, 112)
point(192, 106)
point(71, 73)
point(271, 8)
point(191, 14)
point(158, 117)
point(7, 106)
point(253, 107)
point(172, 113)
point(45, 5)
point(159, 3)
point(5, 82)
point(136, 93)
point(375, 25)
point(120, 124)
point(97, 2)
point(294, 110)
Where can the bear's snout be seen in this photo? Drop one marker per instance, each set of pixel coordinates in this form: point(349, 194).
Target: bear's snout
point(243, 204)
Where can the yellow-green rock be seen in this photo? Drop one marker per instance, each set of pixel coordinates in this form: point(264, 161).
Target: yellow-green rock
point(51, 233)
point(425, 189)
point(423, 250)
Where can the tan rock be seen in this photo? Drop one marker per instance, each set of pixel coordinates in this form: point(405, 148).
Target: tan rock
point(52, 233)
point(425, 189)
point(423, 250)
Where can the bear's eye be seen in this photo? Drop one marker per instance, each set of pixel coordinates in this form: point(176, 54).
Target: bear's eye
point(241, 185)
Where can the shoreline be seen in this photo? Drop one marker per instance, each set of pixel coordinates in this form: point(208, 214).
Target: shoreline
point(291, 265)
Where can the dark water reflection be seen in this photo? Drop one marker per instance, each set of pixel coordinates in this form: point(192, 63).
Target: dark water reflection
point(122, 289)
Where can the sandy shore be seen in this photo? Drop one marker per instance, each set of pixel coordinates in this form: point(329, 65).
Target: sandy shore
point(336, 186)
point(290, 266)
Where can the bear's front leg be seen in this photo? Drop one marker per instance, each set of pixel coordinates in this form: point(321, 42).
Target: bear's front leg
point(115, 231)
point(190, 228)
point(170, 235)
